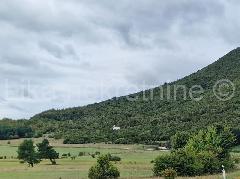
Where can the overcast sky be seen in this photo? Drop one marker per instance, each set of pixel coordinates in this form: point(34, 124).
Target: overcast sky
point(65, 53)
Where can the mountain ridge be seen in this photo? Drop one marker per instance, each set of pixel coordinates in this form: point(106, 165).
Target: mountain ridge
point(146, 117)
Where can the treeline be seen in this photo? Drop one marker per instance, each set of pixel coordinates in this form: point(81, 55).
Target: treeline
point(8, 132)
point(10, 129)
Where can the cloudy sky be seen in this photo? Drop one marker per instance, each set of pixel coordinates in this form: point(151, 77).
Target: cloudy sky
point(64, 53)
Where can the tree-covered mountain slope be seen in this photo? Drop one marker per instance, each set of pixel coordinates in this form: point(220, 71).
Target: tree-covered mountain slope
point(150, 116)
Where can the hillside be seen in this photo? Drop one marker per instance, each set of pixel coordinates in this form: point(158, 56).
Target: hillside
point(148, 119)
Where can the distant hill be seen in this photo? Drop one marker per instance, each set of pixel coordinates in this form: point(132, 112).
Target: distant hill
point(153, 117)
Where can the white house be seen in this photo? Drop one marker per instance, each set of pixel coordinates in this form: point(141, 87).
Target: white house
point(115, 128)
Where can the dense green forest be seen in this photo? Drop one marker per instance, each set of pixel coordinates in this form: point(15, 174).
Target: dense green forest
point(149, 116)
point(10, 129)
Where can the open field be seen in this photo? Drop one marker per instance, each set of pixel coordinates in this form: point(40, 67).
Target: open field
point(135, 162)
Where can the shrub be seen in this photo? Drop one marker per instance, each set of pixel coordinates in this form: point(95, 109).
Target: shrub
point(73, 157)
point(103, 169)
point(114, 158)
point(204, 153)
point(183, 162)
point(97, 153)
point(64, 155)
point(93, 155)
point(80, 154)
point(169, 173)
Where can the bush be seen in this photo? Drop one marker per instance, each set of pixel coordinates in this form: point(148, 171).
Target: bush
point(103, 169)
point(204, 153)
point(64, 155)
point(92, 155)
point(80, 154)
point(97, 153)
point(184, 163)
point(114, 158)
point(169, 173)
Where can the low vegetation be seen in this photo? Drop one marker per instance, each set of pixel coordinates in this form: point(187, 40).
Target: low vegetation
point(135, 161)
point(104, 169)
point(204, 153)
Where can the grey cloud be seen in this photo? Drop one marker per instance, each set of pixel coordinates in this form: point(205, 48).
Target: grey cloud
point(155, 18)
point(56, 50)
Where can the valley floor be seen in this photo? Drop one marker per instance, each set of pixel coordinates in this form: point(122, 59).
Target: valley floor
point(136, 162)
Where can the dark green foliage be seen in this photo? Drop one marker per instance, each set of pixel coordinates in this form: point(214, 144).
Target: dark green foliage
point(97, 153)
point(204, 153)
point(183, 162)
point(26, 153)
point(179, 140)
point(64, 155)
point(46, 151)
point(3, 157)
point(114, 158)
point(81, 154)
point(93, 155)
point(14, 129)
point(103, 169)
point(73, 157)
point(38, 135)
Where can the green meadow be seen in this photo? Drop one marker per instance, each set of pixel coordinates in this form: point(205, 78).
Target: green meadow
point(136, 162)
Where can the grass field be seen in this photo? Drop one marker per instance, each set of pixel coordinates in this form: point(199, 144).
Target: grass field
point(136, 162)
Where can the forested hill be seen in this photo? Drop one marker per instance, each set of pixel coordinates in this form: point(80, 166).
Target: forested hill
point(148, 116)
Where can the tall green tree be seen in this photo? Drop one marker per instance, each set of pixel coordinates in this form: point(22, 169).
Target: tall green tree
point(26, 153)
point(47, 152)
